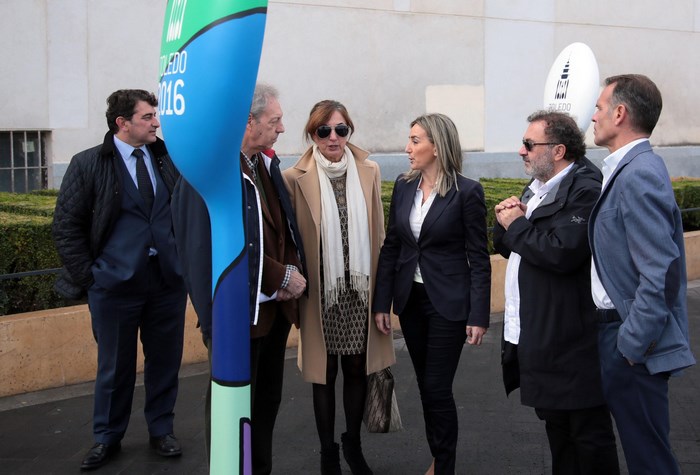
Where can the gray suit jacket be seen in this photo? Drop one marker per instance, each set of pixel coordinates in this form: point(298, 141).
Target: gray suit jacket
point(636, 237)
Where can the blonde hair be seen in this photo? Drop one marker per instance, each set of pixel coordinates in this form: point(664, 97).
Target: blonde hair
point(442, 133)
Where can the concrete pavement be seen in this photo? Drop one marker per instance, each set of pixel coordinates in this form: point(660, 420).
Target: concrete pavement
point(48, 432)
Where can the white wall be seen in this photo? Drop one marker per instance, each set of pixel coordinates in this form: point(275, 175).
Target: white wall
point(482, 62)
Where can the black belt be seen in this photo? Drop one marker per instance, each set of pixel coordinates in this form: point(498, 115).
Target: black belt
point(607, 315)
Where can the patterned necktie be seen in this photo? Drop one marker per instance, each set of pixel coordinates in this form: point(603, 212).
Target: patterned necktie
point(143, 179)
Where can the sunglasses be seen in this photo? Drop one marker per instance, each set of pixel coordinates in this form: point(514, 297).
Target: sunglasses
point(324, 131)
point(529, 145)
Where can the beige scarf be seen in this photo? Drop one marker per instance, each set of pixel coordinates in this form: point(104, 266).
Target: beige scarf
point(331, 238)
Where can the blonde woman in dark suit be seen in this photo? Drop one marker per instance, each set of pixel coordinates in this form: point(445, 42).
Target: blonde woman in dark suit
point(435, 269)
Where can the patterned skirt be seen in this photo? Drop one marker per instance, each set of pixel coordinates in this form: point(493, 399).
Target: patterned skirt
point(345, 325)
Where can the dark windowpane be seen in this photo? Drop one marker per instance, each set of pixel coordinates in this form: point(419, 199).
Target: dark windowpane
point(32, 149)
point(5, 180)
point(20, 182)
point(23, 161)
point(42, 144)
point(18, 150)
point(5, 156)
point(34, 179)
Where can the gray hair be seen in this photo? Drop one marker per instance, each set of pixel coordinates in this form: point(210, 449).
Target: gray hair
point(261, 96)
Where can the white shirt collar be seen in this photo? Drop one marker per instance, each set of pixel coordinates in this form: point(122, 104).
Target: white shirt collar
point(611, 162)
point(125, 150)
point(543, 188)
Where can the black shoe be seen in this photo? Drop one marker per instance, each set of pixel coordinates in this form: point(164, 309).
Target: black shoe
point(98, 455)
point(352, 451)
point(330, 460)
point(166, 445)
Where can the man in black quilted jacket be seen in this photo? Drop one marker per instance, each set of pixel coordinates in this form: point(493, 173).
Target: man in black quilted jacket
point(113, 232)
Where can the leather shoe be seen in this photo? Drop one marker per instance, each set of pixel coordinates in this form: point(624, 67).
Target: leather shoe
point(166, 445)
point(98, 455)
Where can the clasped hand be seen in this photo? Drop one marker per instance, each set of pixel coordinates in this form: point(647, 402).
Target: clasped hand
point(509, 210)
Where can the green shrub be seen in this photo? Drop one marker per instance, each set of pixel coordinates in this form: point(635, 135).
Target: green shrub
point(387, 189)
point(26, 244)
point(687, 191)
point(495, 191)
point(38, 204)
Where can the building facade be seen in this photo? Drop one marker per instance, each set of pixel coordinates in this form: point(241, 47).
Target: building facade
point(484, 63)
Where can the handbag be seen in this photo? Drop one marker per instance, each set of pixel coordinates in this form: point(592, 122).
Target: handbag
point(381, 410)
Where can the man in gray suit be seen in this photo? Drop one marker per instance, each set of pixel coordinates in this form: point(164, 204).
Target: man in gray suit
point(638, 276)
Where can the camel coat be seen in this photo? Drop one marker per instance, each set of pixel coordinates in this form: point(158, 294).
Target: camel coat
point(305, 193)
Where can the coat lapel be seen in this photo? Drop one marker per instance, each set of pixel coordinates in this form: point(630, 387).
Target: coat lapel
point(439, 205)
point(403, 210)
point(310, 189)
point(161, 197)
point(629, 156)
point(366, 174)
point(263, 204)
point(552, 203)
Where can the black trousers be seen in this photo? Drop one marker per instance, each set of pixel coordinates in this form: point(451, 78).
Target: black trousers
point(582, 441)
point(435, 345)
point(157, 314)
point(267, 377)
point(267, 372)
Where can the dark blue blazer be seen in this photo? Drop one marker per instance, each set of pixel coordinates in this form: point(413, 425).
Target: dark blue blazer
point(122, 263)
point(451, 250)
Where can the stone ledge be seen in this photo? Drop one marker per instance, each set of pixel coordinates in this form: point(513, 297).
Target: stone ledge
point(54, 348)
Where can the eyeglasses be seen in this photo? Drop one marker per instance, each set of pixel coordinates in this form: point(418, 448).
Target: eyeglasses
point(528, 145)
point(324, 131)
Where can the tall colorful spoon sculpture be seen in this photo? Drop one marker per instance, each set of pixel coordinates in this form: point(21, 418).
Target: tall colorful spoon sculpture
point(210, 52)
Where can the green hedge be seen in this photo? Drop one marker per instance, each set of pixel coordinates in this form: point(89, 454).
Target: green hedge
point(26, 244)
point(34, 204)
point(687, 191)
point(495, 190)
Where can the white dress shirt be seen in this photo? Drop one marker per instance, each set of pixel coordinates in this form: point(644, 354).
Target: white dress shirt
point(511, 315)
point(416, 218)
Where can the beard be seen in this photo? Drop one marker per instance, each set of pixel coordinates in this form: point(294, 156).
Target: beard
point(542, 169)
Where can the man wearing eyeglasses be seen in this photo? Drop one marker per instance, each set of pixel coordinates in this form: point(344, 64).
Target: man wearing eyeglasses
point(282, 280)
point(550, 330)
point(638, 277)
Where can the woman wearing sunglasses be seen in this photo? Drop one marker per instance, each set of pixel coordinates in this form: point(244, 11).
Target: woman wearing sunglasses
point(336, 193)
point(435, 269)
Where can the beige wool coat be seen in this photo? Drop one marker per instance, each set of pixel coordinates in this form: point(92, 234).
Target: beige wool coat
point(305, 193)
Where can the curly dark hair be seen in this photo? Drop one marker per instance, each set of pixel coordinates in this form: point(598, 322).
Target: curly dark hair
point(122, 103)
point(561, 128)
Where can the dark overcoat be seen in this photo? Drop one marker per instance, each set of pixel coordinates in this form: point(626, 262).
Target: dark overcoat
point(558, 347)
